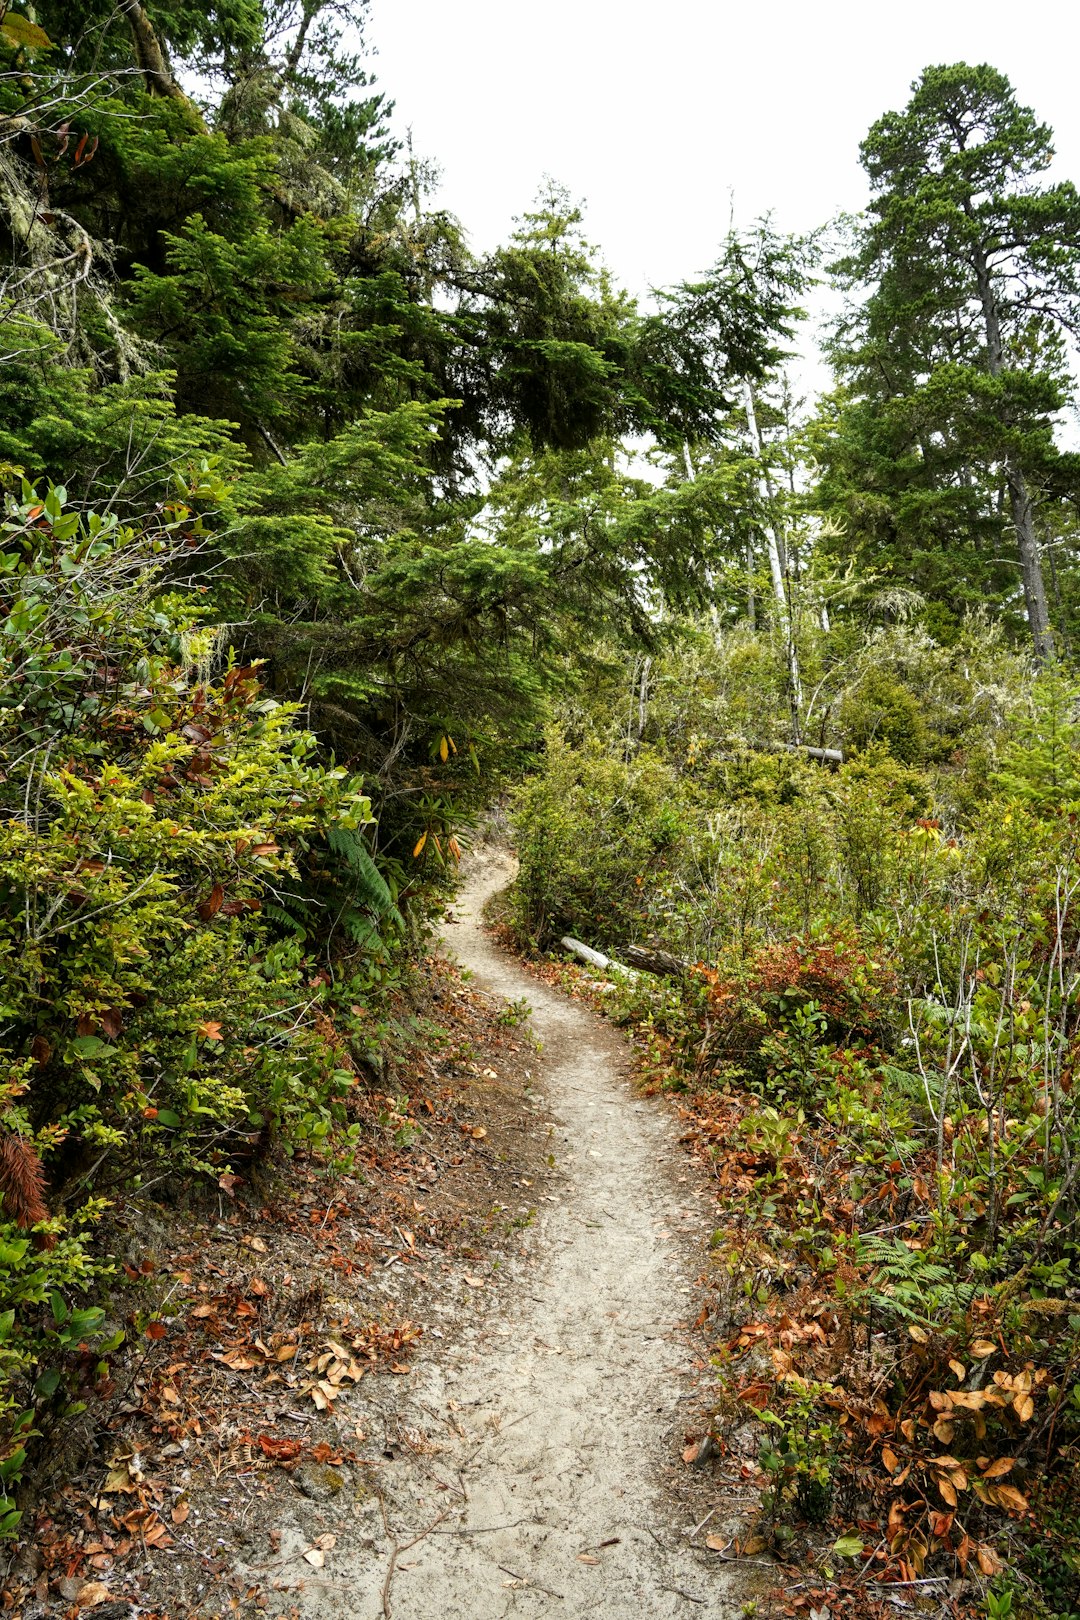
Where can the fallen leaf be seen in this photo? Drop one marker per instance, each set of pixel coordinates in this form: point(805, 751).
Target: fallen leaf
point(321, 1453)
point(280, 1449)
point(180, 1513)
point(890, 1459)
point(91, 1594)
point(327, 1541)
point(996, 1469)
point(155, 1534)
point(587, 1558)
point(983, 1347)
point(315, 1557)
point(256, 1243)
point(1008, 1497)
point(212, 904)
point(474, 1282)
point(478, 1133)
point(718, 1543)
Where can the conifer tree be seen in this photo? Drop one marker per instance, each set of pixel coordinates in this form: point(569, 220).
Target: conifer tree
point(956, 363)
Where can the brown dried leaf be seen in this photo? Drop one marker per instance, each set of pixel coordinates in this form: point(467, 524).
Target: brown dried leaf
point(91, 1593)
point(1008, 1497)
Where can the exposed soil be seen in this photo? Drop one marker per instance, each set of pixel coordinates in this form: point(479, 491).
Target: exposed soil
point(536, 1487)
point(495, 1308)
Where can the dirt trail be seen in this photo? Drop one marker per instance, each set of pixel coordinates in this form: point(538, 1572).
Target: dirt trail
point(560, 1405)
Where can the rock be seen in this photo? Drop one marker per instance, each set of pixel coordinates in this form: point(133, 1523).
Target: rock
point(318, 1481)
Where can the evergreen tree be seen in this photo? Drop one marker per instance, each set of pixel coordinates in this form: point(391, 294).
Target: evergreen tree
point(955, 366)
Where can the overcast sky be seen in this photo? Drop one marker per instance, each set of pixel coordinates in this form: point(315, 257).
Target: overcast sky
point(657, 115)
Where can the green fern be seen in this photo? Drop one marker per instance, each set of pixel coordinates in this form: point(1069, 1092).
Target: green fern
point(342, 891)
point(910, 1284)
point(371, 892)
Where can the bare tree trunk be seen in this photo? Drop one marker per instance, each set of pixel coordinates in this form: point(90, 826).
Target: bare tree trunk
point(1023, 517)
point(777, 568)
point(643, 697)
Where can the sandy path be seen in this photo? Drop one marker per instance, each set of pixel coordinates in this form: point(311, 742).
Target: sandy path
point(561, 1403)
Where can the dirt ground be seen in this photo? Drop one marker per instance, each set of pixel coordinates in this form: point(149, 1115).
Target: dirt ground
point(461, 1385)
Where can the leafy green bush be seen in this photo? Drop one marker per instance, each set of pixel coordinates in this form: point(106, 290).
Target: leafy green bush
point(591, 830)
point(155, 1020)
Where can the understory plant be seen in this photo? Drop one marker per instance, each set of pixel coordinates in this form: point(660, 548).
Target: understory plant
point(157, 1023)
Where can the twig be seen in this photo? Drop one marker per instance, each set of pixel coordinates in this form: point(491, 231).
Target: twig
point(524, 1579)
point(400, 1547)
point(484, 1529)
point(692, 1533)
point(681, 1592)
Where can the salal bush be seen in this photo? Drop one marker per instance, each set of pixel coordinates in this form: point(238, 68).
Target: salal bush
point(156, 1023)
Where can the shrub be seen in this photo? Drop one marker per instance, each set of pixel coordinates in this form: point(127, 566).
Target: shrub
point(154, 1022)
point(590, 830)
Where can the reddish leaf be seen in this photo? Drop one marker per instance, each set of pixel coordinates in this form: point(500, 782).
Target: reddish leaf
point(212, 904)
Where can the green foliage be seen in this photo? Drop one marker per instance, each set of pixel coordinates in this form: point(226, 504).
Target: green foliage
point(954, 365)
point(590, 831)
point(876, 1043)
point(1040, 767)
point(154, 798)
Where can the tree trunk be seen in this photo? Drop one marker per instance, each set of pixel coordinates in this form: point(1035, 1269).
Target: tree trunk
point(149, 54)
point(777, 568)
point(650, 960)
point(1019, 496)
point(1030, 563)
point(595, 959)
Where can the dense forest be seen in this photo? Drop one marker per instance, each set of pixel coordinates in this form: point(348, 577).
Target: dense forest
point(323, 532)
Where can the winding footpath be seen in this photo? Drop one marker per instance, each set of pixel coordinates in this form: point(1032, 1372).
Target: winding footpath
point(562, 1403)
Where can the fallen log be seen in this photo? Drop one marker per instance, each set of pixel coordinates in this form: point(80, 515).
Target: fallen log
point(595, 959)
point(832, 757)
point(652, 960)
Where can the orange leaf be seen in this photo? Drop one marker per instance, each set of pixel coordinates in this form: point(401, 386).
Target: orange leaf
point(1008, 1497)
point(996, 1469)
point(890, 1459)
point(212, 904)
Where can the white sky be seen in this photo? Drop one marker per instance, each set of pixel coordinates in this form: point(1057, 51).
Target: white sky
point(657, 115)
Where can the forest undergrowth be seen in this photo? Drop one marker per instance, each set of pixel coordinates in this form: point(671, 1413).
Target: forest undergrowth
point(867, 1020)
